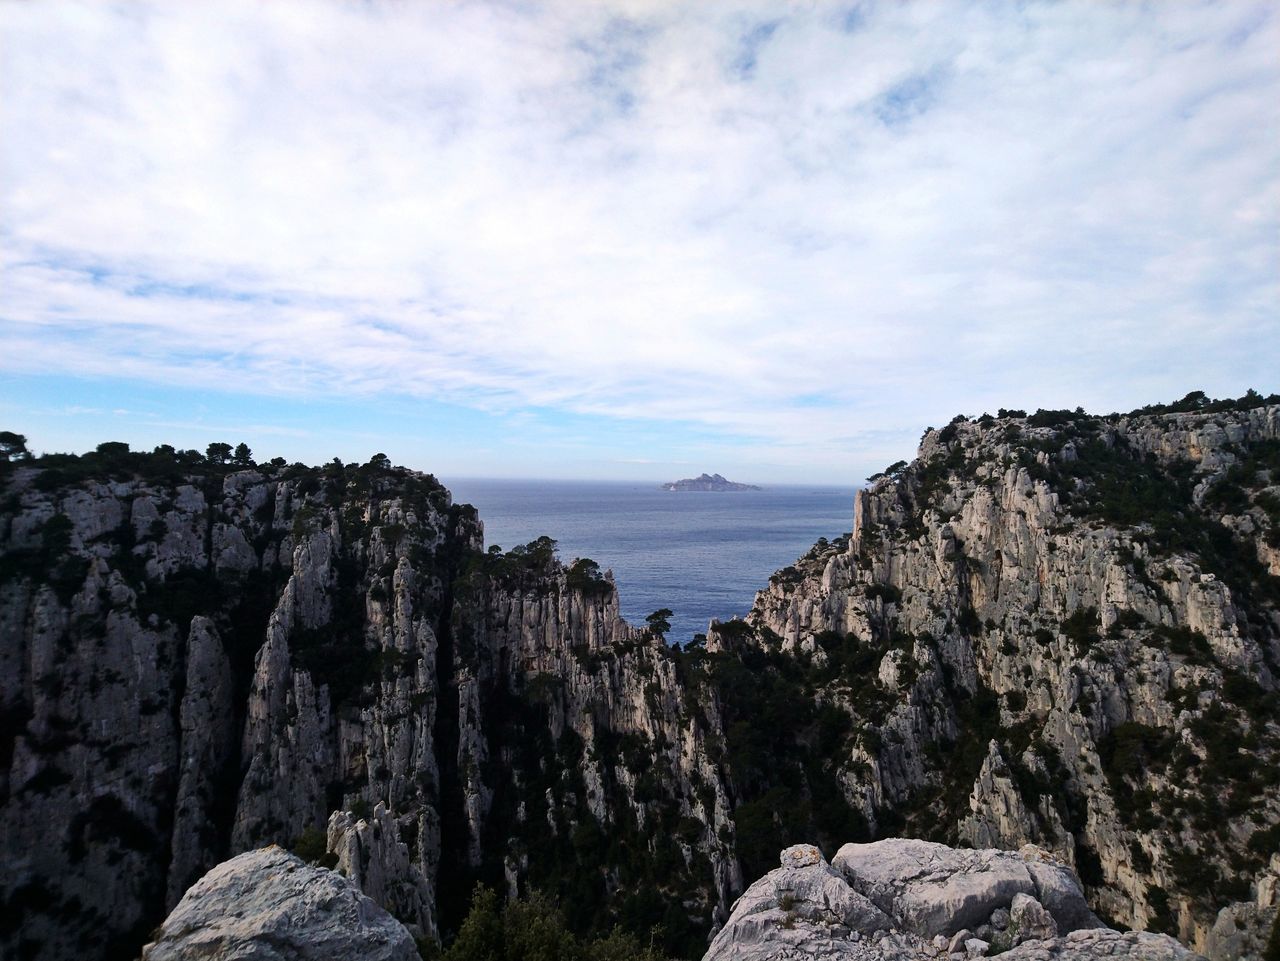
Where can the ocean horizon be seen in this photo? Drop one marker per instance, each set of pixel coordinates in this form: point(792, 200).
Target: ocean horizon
point(703, 555)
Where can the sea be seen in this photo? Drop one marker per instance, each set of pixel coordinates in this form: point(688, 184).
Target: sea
point(703, 555)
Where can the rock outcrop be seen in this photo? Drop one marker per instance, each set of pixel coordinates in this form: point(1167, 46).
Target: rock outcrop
point(1059, 630)
point(932, 889)
point(1244, 929)
point(269, 904)
point(197, 659)
point(906, 899)
point(708, 482)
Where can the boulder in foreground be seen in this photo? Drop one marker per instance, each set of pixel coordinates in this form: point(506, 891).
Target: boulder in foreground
point(902, 899)
point(270, 905)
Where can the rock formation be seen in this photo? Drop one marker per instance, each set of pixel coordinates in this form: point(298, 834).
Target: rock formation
point(708, 482)
point(269, 904)
point(199, 659)
point(1243, 929)
point(1057, 630)
point(906, 899)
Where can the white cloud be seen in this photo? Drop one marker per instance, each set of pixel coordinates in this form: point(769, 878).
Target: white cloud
point(684, 211)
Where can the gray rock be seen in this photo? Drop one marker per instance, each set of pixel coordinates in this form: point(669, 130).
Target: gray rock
point(1240, 932)
point(956, 943)
point(269, 904)
point(803, 906)
point(1000, 544)
point(1100, 943)
point(930, 888)
point(372, 855)
point(207, 728)
point(1029, 921)
point(1059, 891)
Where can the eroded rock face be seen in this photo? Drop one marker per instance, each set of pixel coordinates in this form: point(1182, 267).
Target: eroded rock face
point(1072, 629)
point(1242, 930)
point(371, 853)
point(269, 904)
point(192, 666)
point(803, 906)
point(925, 896)
point(931, 889)
point(1012, 648)
point(1104, 943)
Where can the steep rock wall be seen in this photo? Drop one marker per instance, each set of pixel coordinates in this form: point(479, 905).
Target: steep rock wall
point(198, 660)
point(1069, 629)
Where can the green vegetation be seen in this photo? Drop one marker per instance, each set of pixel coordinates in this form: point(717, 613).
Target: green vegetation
point(13, 447)
point(532, 929)
point(1129, 753)
point(1197, 402)
point(51, 563)
point(780, 745)
point(584, 575)
point(659, 622)
point(523, 567)
point(312, 846)
point(1081, 628)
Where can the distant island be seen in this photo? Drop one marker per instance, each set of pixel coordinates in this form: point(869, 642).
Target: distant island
point(708, 482)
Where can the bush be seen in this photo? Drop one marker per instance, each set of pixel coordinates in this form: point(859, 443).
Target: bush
point(312, 846)
point(1081, 628)
point(584, 575)
point(481, 936)
point(534, 929)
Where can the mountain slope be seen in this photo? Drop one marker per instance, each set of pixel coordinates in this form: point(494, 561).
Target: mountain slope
point(1063, 630)
point(201, 657)
point(1058, 629)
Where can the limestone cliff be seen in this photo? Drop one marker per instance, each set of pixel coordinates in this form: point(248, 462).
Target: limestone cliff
point(1060, 630)
point(199, 659)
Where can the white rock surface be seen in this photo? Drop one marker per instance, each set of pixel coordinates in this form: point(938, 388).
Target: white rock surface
point(803, 905)
point(933, 889)
point(371, 853)
point(795, 913)
point(269, 905)
point(1100, 943)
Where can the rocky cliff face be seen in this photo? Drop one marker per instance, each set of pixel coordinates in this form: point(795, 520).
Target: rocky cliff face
point(198, 660)
point(1060, 630)
point(908, 900)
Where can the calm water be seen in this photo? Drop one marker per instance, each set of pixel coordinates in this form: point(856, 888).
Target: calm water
point(703, 555)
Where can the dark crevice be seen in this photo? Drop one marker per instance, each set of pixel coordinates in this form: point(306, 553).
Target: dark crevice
point(452, 898)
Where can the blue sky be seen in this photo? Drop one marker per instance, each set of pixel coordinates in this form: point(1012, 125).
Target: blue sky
point(626, 239)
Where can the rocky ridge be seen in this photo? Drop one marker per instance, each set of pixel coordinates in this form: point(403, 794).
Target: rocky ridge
point(1059, 630)
point(902, 900)
point(1056, 630)
point(200, 658)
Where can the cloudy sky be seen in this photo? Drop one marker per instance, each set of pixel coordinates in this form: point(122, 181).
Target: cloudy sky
point(627, 239)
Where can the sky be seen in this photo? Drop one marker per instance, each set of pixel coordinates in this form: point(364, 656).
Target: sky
point(627, 239)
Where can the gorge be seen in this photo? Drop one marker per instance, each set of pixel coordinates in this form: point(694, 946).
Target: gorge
point(1059, 630)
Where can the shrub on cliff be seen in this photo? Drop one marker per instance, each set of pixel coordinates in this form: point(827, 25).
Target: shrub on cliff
point(533, 929)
